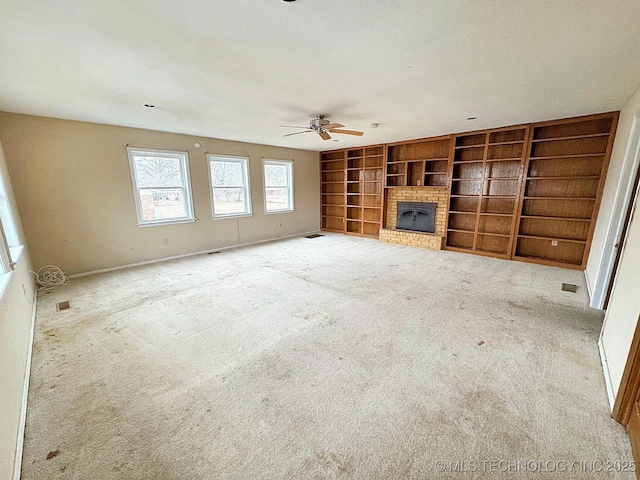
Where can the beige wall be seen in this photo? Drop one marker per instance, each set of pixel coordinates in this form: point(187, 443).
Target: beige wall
point(624, 306)
point(602, 230)
point(16, 311)
point(73, 187)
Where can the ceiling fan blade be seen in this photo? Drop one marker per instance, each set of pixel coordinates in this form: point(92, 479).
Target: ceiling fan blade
point(324, 135)
point(329, 126)
point(297, 133)
point(347, 132)
point(294, 126)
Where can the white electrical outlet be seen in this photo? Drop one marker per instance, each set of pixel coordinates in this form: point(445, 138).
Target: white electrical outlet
point(165, 241)
point(554, 243)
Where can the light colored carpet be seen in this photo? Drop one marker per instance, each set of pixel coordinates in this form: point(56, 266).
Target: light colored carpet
point(334, 357)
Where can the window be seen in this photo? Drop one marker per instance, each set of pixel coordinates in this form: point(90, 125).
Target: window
point(278, 185)
point(230, 195)
point(9, 240)
point(161, 186)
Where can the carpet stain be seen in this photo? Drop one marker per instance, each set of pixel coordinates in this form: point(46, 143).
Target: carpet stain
point(53, 454)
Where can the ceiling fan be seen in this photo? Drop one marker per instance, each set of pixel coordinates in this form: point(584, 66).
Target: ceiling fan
point(320, 125)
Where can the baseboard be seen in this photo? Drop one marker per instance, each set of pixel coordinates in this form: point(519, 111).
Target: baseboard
point(586, 280)
point(25, 394)
point(607, 375)
point(184, 255)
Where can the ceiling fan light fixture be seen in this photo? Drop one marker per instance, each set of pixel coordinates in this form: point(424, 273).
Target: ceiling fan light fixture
point(320, 125)
point(290, 1)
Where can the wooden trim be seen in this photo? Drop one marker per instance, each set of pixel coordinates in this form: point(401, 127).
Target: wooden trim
point(450, 166)
point(517, 207)
point(630, 383)
point(633, 430)
point(418, 140)
point(579, 118)
point(523, 187)
point(483, 179)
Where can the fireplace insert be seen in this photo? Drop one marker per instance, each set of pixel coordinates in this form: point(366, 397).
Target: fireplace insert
point(417, 216)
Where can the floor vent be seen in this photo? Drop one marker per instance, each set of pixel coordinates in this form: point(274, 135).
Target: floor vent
point(314, 235)
point(569, 287)
point(63, 305)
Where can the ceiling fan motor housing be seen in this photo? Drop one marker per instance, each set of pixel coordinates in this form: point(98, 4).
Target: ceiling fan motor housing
point(318, 122)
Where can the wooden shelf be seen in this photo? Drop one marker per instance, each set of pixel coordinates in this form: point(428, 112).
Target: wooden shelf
point(510, 159)
point(503, 235)
point(569, 156)
point(570, 137)
point(496, 214)
point(461, 212)
point(557, 239)
point(586, 199)
point(513, 142)
point(565, 219)
point(460, 231)
point(576, 177)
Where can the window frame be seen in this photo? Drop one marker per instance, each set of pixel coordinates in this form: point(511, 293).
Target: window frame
point(10, 241)
point(290, 187)
point(186, 185)
point(244, 161)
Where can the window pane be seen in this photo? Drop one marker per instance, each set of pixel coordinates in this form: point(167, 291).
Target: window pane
point(277, 198)
point(275, 175)
point(229, 200)
point(10, 232)
point(158, 171)
point(226, 174)
point(162, 204)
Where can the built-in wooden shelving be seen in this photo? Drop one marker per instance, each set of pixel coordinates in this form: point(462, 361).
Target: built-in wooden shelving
point(528, 192)
point(485, 183)
point(418, 163)
point(352, 183)
point(333, 188)
point(565, 175)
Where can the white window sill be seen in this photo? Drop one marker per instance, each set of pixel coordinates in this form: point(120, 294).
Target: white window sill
point(231, 215)
point(16, 252)
point(274, 212)
point(168, 222)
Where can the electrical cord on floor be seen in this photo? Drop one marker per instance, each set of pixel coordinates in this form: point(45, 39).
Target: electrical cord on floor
point(50, 277)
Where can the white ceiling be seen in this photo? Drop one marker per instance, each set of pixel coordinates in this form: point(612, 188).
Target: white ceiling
point(238, 69)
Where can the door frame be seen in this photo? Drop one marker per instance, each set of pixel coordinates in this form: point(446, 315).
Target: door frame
point(630, 383)
point(625, 194)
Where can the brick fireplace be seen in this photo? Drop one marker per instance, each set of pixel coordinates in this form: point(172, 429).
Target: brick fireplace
point(432, 241)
